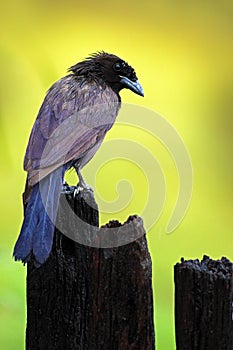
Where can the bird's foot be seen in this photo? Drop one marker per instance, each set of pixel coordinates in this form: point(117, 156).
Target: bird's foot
point(82, 187)
point(65, 187)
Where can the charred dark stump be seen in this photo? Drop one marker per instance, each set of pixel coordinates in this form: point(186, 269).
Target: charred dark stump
point(203, 304)
point(85, 297)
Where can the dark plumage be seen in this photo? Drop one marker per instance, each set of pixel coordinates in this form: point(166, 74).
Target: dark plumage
point(71, 124)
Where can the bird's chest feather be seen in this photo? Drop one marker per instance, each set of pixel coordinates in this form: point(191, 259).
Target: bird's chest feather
point(96, 107)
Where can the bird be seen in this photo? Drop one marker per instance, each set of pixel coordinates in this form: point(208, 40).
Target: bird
point(71, 124)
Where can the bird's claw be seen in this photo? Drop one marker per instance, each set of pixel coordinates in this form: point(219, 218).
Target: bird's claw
point(65, 187)
point(81, 188)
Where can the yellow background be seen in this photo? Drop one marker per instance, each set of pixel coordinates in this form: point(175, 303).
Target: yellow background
point(182, 52)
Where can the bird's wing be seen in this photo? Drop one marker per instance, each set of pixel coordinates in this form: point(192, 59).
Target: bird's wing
point(73, 117)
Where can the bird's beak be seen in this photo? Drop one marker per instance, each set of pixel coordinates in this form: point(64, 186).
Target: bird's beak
point(134, 86)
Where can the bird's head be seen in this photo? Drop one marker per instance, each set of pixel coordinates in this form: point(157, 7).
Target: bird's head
point(112, 69)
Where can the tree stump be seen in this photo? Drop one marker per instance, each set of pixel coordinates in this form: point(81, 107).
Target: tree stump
point(85, 297)
point(203, 304)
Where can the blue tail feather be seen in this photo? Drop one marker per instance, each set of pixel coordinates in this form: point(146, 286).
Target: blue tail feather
point(36, 235)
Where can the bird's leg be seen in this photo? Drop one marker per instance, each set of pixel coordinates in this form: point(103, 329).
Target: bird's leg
point(82, 185)
point(82, 182)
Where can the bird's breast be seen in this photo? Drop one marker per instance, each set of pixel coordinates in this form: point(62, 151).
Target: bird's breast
point(97, 106)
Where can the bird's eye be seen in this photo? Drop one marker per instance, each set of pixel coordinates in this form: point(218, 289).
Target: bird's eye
point(117, 66)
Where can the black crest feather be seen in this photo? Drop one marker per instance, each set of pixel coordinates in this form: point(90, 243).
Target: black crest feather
point(90, 67)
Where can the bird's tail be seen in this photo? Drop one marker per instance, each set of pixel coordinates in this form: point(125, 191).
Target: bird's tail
point(36, 235)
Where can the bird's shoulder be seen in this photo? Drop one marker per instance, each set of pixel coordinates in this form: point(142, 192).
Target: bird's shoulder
point(81, 89)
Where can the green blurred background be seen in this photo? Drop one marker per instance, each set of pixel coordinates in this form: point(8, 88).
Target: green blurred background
point(182, 52)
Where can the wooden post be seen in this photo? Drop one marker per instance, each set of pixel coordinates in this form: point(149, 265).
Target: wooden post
point(203, 304)
point(91, 298)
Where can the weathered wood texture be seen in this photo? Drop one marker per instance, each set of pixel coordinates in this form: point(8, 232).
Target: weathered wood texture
point(203, 304)
point(91, 298)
